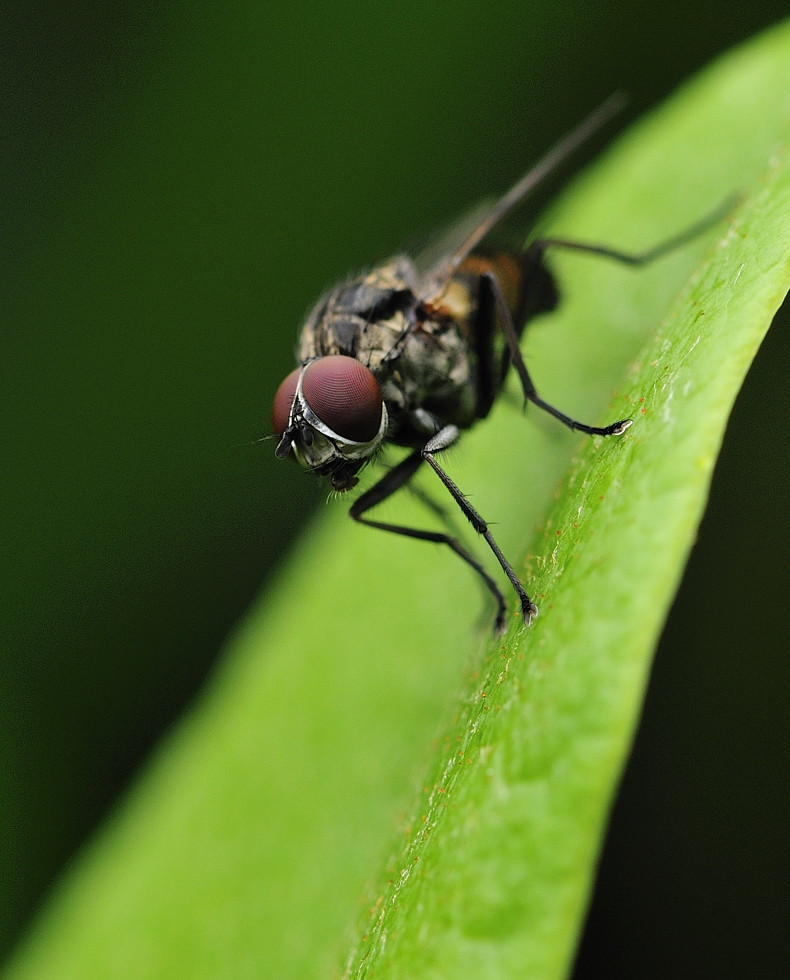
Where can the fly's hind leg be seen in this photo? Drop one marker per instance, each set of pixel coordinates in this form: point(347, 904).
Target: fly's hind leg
point(397, 477)
point(534, 256)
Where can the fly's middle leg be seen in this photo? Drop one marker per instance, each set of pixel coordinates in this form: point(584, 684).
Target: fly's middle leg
point(527, 385)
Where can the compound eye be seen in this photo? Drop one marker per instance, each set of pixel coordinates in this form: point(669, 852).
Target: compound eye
point(281, 406)
point(345, 395)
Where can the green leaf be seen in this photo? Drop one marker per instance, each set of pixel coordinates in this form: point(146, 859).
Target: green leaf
point(245, 847)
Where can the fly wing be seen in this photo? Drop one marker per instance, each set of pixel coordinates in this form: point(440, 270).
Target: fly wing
point(474, 227)
point(435, 261)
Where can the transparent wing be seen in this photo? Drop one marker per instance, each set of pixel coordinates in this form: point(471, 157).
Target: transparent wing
point(433, 258)
point(438, 267)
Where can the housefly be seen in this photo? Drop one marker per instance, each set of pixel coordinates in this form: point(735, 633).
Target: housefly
point(412, 354)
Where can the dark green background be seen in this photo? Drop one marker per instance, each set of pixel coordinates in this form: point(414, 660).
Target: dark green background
point(179, 184)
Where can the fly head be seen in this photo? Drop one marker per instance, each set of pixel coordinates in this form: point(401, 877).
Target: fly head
point(331, 415)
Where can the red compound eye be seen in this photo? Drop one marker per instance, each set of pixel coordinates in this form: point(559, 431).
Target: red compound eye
point(281, 406)
point(344, 394)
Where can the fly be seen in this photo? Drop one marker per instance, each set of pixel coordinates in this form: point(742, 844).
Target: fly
point(414, 356)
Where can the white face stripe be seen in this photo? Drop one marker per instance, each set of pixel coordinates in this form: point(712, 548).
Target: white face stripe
point(348, 448)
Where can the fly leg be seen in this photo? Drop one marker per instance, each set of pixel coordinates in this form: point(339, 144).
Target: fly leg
point(534, 255)
point(538, 247)
point(394, 480)
point(443, 439)
point(530, 392)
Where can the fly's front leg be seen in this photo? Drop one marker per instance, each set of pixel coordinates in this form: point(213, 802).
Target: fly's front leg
point(443, 439)
point(394, 480)
point(530, 392)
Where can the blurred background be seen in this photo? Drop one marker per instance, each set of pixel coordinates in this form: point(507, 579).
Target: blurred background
point(179, 183)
